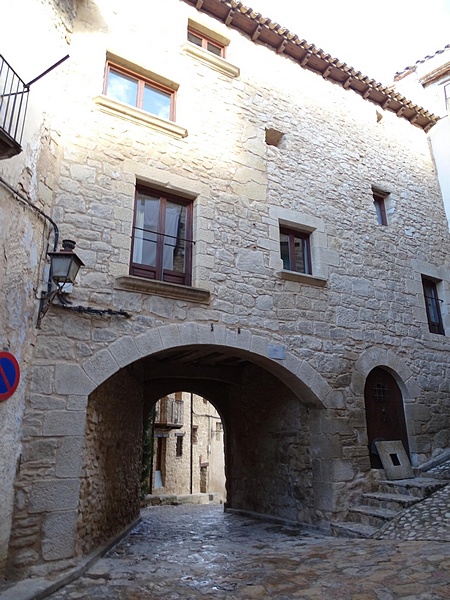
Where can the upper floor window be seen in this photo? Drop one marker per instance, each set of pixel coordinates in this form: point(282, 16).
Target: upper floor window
point(447, 95)
point(205, 42)
point(379, 201)
point(133, 89)
point(432, 304)
point(295, 250)
point(162, 237)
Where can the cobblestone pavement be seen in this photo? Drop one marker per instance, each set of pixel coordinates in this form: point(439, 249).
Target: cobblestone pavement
point(198, 551)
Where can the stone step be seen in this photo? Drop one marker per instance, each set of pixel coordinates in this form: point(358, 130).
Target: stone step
point(392, 501)
point(420, 487)
point(352, 530)
point(370, 515)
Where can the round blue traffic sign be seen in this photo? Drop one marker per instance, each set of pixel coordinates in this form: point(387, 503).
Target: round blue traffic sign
point(9, 375)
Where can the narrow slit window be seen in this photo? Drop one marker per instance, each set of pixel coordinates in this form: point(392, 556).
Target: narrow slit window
point(432, 305)
point(379, 201)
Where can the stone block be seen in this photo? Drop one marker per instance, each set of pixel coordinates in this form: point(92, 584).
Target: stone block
point(44, 403)
point(149, 342)
point(42, 379)
point(326, 446)
point(59, 535)
point(40, 450)
point(77, 402)
point(69, 456)
point(124, 351)
point(62, 423)
point(71, 379)
point(54, 494)
point(100, 366)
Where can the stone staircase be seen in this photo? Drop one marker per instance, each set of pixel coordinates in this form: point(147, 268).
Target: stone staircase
point(376, 508)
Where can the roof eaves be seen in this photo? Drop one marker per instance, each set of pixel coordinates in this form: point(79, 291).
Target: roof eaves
point(265, 31)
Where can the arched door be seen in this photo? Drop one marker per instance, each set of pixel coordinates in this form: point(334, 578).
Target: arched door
point(384, 412)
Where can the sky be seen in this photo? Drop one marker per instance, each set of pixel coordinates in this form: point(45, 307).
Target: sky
point(377, 38)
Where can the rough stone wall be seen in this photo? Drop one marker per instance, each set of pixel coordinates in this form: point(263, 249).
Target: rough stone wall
point(365, 296)
point(112, 461)
point(269, 443)
point(23, 233)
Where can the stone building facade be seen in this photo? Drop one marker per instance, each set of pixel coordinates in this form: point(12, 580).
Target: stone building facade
point(188, 455)
point(271, 284)
point(428, 82)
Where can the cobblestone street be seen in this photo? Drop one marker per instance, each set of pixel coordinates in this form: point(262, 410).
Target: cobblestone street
point(201, 552)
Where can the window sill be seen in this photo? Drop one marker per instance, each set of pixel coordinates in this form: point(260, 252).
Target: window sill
point(303, 278)
point(131, 283)
point(140, 117)
point(215, 62)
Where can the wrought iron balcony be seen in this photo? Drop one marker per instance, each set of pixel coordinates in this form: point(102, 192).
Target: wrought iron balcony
point(13, 109)
point(169, 413)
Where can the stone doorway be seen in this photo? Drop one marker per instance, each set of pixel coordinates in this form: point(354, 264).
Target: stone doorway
point(385, 415)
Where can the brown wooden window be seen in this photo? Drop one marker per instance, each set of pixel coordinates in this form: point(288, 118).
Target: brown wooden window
point(205, 42)
point(135, 90)
point(295, 250)
point(179, 449)
point(380, 207)
point(432, 304)
point(162, 237)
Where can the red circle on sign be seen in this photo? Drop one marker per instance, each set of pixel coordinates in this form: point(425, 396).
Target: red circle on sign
point(9, 375)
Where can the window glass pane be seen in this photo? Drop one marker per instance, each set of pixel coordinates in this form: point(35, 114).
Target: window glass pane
point(214, 49)
point(122, 88)
point(145, 232)
point(156, 102)
point(175, 238)
point(299, 254)
point(284, 250)
point(195, 39)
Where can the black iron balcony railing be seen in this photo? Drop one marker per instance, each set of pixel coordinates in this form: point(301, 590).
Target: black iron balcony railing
point(13, 109)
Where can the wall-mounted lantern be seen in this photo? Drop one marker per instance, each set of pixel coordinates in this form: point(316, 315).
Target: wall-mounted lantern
point(64, 267)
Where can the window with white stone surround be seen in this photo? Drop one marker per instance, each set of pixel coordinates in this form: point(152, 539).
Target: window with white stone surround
point(314, 255)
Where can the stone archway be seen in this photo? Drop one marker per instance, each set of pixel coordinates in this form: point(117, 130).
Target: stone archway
point(52, 500)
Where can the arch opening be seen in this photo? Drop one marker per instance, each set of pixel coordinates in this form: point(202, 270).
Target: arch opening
point(266, 431)
point(385, 415)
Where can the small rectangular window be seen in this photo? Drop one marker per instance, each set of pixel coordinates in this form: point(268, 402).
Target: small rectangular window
point(162, 237)
point(295, 250)
point(447, 95)
point(380, 207)
point(433, 308)
point(205, 42)
point(179, 445)
point(133, 89)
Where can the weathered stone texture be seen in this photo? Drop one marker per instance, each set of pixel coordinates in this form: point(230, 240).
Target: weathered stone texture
point(363, 307)
point(111, 465)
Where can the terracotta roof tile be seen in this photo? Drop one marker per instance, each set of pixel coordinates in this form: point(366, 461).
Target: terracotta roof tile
point(262, 30)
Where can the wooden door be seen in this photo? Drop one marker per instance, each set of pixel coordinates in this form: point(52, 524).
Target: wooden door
point(384, 412)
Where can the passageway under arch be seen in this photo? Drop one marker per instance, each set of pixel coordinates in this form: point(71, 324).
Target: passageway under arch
point(267, 436)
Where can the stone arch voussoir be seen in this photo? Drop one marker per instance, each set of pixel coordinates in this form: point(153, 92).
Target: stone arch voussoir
point(296, 373)
point(387, 359)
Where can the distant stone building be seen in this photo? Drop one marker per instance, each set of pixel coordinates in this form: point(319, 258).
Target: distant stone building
point(428, 82)
point(188, 456)
point(260, 225)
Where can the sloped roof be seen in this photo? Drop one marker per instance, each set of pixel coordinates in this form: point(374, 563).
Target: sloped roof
point(411, 68)
point(264, 31)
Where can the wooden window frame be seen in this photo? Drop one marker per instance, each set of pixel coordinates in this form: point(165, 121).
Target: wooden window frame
point(142, 82)
point(432, 301)
point(157, 272)
point(179, 446)
point(379, 200)
point(294, 234)
point(205, 41)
